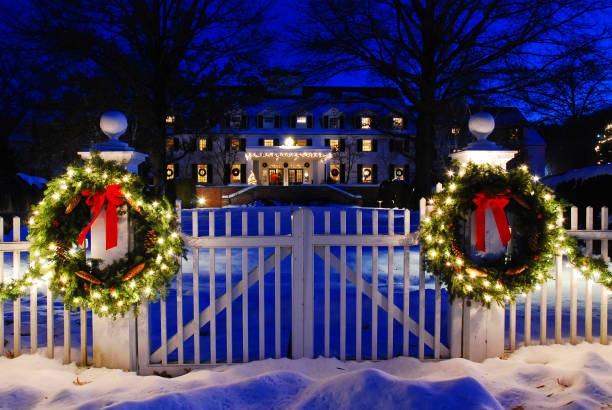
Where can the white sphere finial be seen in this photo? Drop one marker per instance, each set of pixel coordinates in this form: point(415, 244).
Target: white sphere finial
point(113, 124)
point(481, 125)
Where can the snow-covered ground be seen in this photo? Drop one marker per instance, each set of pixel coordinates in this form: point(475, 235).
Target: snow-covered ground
point(533, 377)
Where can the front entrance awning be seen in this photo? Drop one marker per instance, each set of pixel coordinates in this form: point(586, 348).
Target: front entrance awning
point(323, 154)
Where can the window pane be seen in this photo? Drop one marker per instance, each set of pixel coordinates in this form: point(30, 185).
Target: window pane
point(301, 119)
point(203, 144)
point(333, 122)
point(367, 145)
point(235, 174)
point(398, 122)
point(366, 174)
point(268, 143)
point(203, 174)
point(170, 171)
point(236, 144)
point(301, 143)
point(334, 172)
point(169, 144)
point(334, 145)
point(365, 122)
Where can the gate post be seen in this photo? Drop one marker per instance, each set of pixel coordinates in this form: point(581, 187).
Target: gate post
point(297, 281)
point(114, 341)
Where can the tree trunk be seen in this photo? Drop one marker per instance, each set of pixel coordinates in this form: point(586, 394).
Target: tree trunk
point(424, 175)
point(158, 146)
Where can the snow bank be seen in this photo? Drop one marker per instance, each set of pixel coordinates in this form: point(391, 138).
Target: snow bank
point(533, 377)
point(577, 174)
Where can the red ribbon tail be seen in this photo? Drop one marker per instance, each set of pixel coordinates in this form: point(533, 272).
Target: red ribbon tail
point(497, 207)
point(113, 194)
point(483, 203)
point(95, 201)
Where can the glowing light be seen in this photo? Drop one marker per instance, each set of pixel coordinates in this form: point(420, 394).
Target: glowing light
point(440, 241)
point(472, 275)
point(449, 200)
point(547, 197)
point(469, 288)
point(125, 178)
point(498, 286)
point(486, 283)
point(160, 240)
point(459, 262)
point(70, 172)
point(104, 175)
point(52, 247)
point(538, 287)
point(448, 264)
point(169, 215)
point(524, 168)
point(75, 300)
point(460, 277)
point(104, 308)
point(452, 187)
point(288, 142)
point(139, 203)
point(150, 272)
point(158, 259)
point(155, 203)
point(127, 195)
point(174, 235)
point(88, 170)
point(433, 253)
point(31, 221)
point(64, 279)
point(170, 253)
point(96, 295)
point(55, 196)
point(147, 290)
point(461, 172)
point(63, 187)
point(450, 173)
point(536, 178)
point(120, 303)
point(551, 226)
point(132, 284)
point(487, 298)
point(163, 267)
point(506, 297)
point(22, 288)
point(439, 212)
point(201, 201)
point(72, 251)
point(36, 212)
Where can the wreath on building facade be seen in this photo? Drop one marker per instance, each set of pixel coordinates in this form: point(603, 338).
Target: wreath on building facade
point(58, 228)
point(532, 239)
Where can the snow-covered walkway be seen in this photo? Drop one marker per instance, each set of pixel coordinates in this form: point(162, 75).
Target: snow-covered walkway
point(534, 377)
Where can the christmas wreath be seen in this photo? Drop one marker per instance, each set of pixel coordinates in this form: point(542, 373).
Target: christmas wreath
point(535, 236)
point(58, 228)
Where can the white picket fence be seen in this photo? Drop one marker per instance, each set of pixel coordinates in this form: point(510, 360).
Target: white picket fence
point(30, 312)
point(329, 273)
point(589, 235)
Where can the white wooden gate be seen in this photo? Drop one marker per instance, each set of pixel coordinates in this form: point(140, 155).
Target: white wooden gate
point(285, 291)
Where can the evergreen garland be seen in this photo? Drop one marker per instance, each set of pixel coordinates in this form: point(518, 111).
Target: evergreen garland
point(55, 257)
point(537, 236)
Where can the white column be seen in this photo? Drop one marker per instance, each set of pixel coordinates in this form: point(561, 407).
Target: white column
point(111, 338)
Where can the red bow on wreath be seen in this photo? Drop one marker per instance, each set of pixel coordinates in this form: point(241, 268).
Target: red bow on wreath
point(497, 204)
point(96, 201)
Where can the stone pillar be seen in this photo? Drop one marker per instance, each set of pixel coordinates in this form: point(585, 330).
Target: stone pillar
point(112, 345)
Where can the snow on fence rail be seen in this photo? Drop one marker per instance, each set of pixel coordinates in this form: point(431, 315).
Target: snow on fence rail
point(588, 235)
point(30, 311)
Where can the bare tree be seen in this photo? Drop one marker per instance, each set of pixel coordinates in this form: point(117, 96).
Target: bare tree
point(161, 53)
point(440, 52)
point(347, 157)
point(578, 84)
point(223, 156)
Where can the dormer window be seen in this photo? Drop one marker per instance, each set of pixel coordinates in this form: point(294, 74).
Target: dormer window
point(366, 123)
point(332, 118)
point(398, 123)
point(235, 121)
point(301, 121)
point(268, 122)
point(455, 130)
point(268, 118)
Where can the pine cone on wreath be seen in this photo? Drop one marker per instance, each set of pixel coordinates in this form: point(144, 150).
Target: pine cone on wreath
point(150, 239)
point(532, 241)
point(61, 251)
point(455, 248)
point(72, 204)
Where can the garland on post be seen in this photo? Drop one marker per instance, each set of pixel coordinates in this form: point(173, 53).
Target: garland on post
point(58, 227)
point(535, 237)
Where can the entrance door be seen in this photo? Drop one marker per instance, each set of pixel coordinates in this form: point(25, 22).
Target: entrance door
point(275, 176)
point(296, 176)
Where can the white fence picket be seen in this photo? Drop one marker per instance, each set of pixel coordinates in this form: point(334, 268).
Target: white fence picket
point(588, 297)
point(195, 251)
point(343, 289)
point(358, 288)
point(245, 292)
point(423, 213)
point(528, 318)
point(67, 337)
point(574, 287)
point(2, 281)
point(375, 291)
point(83, 341)
point(50, 324)
point(17, 302)
point(603, 321)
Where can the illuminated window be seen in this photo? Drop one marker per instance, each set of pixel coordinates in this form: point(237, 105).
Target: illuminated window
point(203, 144)
point(169, 144)
point(366, 123)
point(334, 145)
point(334, 172)
point(235, 144)
point(170, 171)
point(455, 130)
point(398, 173)
point(398, 122)
point(366, 145)
point(301, 143)
point(235, 174)
point(269, 143)
point(170, 119)
point(203, 174)
point(301, 119)
point(367, 174)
